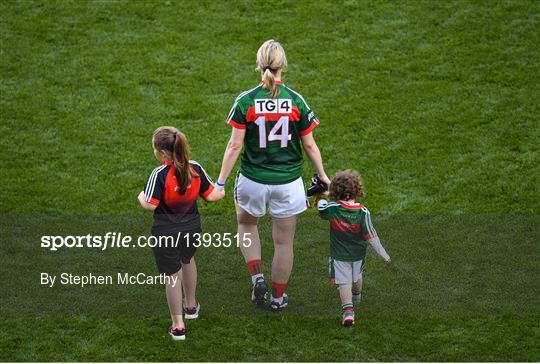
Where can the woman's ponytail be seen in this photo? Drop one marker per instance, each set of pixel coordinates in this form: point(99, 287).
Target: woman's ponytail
point(182, 168)
point(269, 81)
point(270, 60)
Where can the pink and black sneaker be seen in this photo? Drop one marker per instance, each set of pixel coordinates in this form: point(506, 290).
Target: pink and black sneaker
point(177, 334)
point(191, 313)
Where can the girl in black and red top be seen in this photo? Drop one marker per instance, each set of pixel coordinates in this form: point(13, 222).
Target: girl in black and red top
point(171, 193)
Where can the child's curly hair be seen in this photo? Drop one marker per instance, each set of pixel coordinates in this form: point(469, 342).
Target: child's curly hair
point(346, 185)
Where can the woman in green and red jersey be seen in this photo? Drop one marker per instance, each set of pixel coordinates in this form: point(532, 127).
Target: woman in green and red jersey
point(272, 124)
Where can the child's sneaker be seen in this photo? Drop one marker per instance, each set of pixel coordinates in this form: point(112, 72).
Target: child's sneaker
point(177, 334)
point(357, 296)
point(258, 291)
point(347, 318)
point(191, 313)
point(277, 306)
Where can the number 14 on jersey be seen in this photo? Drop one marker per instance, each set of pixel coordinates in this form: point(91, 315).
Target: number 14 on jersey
point(279, 132)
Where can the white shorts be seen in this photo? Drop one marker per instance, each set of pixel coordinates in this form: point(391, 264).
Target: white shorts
point(345, 272)
point(283, 200)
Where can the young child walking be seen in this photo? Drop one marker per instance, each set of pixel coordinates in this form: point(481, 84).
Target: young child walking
point(171, 193)
point(350, 232)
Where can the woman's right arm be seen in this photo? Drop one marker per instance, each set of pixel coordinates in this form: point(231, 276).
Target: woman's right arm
point(234, 147)
point(216, 195)
point(314, 155)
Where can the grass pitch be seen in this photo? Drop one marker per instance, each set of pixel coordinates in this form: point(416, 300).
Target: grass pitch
point(436, 104)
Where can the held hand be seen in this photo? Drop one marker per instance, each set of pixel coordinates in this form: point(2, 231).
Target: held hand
point(325, 180)
point(217, 194)
point(221, 191)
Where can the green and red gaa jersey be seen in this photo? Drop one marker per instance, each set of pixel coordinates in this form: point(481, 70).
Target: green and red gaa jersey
point(272, 147)
point(350, 229)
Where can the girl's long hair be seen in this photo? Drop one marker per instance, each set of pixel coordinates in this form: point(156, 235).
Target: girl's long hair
point(174, 143)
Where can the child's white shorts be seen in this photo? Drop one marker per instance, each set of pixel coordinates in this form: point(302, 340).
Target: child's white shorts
point(284, 200)
point(345, 272)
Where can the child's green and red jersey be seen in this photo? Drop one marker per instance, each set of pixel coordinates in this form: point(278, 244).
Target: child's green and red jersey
point(272, 146)
point(350, 229)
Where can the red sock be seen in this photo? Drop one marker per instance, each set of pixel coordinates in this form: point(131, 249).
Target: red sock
point(254, 266)
point(278, 289)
